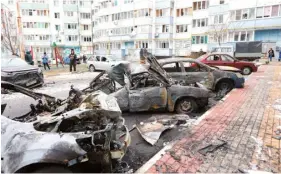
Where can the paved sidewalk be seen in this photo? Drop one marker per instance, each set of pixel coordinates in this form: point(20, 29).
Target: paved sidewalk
point(247, 120)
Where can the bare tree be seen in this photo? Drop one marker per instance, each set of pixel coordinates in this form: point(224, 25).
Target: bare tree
point(9, 37)
point(219, 30)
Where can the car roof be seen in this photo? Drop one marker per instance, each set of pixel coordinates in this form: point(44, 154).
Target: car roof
point(176, 59)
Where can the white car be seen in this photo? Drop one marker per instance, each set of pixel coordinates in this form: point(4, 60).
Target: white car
point(101, 62)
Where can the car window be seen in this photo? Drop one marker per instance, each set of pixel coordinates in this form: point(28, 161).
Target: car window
point(90, 59)
point(172, 67)
point(213, 58)
point(226, 58)
point(194, 67)
point(13, 62)
point(98, 58)
point(103, 59)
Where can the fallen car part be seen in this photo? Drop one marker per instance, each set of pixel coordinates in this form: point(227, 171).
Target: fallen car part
point(212, 147)
point(82, 136)
point(153, 127)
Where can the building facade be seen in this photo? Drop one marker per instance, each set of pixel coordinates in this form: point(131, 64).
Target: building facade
point(65, 23)
point(164, 27)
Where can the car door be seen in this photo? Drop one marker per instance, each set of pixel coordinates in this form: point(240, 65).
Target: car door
point(227, 61)
point(213, 60)
point(174, 70)
point(96, 62)
point(148, 98)
point(196, 72)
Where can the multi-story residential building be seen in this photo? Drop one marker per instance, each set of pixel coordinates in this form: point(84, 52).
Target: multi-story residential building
point(255, 20)
point(164, 27)
point(64, 22)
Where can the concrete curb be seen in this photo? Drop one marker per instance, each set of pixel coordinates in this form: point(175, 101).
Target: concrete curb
point(158, 155)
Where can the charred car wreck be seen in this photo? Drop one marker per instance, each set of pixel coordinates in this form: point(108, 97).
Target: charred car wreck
point(149, 89)
point(60, 137)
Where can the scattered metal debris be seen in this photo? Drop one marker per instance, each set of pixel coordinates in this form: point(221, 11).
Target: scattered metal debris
point(152, 128)
point(212, 147)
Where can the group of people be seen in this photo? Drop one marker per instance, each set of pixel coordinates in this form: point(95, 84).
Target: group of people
point(72, 56)
point(271, 55)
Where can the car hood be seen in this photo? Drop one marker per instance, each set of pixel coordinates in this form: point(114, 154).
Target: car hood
point(22, 68)
point(228, 68)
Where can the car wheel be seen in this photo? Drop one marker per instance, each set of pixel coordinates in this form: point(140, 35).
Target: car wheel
point(246, 70)
point(186, 106)
point(52, 169)
point(224, 86)
point(92, 68)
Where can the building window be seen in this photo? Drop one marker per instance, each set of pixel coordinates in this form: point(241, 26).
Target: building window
point(71, 38)
point(56, 2)
point(241, 36)
point(267, 11)
point(182, 28)
point(57, 27)
point(238, 14)
point(141, 44)
point(165, 28)
point(73, 2)
point(162, 44)
point(163, 12)
point(199, 39)
point(252, 12)
point(57, 15)
point(10, 1)
point(274, 11)
point(200, 22)
point(184, 12)
point(69, 13)
point(85, 15)
point(218, 19)
point(200, 5)
point(245, 14)
point(86, 27)
point(87, 38)
point(259, 12)
point(71, 26)
point(221, 1)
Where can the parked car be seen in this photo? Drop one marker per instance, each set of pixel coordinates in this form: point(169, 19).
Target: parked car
point(226, 60)
point(150, 89)
point(17, 71)
point(101, 62)
point(189, 71)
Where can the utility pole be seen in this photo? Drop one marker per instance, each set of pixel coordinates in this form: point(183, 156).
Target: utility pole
point(78, 20)
point(92, 28)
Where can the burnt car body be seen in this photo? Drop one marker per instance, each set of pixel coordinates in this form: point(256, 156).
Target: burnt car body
point(17, 71)
point(149, 89)
point(189, 71)
point(57, 136)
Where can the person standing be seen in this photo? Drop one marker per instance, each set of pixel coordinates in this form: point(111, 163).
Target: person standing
point(28, 58)
point(270, 54)
point(72, 57)
point(45, 61)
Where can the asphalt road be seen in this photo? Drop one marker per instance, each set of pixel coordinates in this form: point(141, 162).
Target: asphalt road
point(138, 153)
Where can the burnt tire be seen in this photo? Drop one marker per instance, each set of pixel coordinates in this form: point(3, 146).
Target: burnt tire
point(52, 169)
point(186, 106)
point(224, 85)
point(246, 70)
point(92, 68)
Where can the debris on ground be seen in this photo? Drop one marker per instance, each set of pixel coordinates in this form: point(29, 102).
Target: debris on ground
point(152, 128)
point(212, 147)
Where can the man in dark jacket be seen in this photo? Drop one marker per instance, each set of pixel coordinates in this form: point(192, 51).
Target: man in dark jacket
point(270, 54)
point(28, 58)
point(72, 57)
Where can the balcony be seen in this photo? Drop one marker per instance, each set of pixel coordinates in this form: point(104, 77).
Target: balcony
point(163, 52)
point(164, 4)
point(182, 4)
point(218, 9)
point(70, 7)
point(39, 31)
point(164, 20)
point(263, 23)
point(163, 35)
point(37, 6)
point(70, 32)
point(199, 30)
point(37, 42)
point(183, 20)
point(183, 35)
point(85, 21)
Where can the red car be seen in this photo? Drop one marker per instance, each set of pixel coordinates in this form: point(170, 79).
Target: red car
point(226, 60)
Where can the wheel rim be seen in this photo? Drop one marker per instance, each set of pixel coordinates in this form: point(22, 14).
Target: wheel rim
point(186, 106)
point(246, 71)
point(224, 86)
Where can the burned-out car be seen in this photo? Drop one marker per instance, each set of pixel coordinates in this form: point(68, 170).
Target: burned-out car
point(79, 139)
point(189, 71)
point(149, 88)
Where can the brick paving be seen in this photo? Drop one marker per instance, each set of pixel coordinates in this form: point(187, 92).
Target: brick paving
point(247, 119)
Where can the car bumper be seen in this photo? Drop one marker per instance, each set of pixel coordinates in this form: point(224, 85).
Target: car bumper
point(26, 80)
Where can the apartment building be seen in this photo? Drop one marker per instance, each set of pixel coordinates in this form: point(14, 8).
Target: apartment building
point(67, 23)
point(255, 20)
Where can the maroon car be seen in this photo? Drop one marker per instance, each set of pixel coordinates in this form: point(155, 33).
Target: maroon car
point(226, 60)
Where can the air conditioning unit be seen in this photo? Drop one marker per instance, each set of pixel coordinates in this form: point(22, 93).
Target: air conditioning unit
point(156, 34)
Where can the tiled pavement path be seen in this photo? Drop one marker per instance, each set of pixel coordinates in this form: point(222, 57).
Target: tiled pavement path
point(254, 111)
